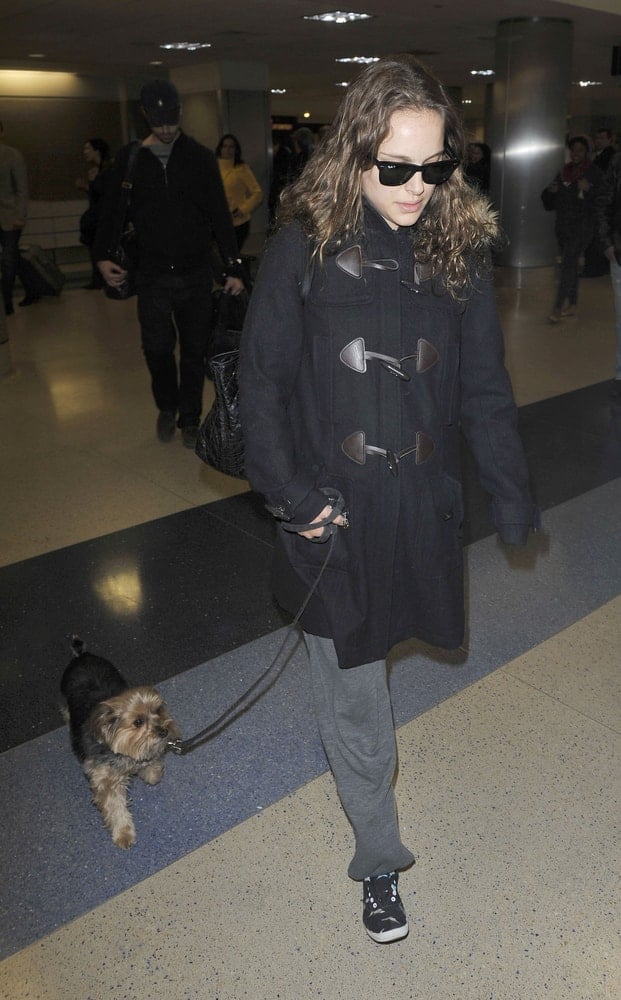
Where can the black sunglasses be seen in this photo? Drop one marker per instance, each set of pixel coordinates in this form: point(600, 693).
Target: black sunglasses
point(394, 174)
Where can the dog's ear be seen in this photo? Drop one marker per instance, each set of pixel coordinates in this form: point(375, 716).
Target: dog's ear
point(103, 722)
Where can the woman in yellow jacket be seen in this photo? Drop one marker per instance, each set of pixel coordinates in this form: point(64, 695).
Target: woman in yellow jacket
point(241, 187)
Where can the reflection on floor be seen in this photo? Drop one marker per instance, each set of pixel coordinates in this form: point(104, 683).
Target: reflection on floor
point(236, 887)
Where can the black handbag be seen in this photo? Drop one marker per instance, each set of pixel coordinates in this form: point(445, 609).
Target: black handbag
point(220, 443)
point(123, 250)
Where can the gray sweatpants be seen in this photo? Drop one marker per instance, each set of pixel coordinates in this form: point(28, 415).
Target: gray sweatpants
point(355, 720)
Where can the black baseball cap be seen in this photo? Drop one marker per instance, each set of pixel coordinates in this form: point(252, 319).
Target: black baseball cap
point(161, 102)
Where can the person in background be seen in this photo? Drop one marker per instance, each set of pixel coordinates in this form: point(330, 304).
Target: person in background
point(478, 165)
point(604, 149)
point(303, 148)
point(177, 206)
point(243, 191)
point(608, 209)
point(282, 171)
point(13, 212)
point(97, 158)
point(571, 194)
point(372, 336)
point(595, 263)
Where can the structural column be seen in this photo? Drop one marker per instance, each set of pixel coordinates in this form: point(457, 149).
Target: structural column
point(529, 116)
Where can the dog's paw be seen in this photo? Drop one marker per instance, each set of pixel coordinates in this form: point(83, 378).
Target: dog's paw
point(152, 773)
point(125, 837)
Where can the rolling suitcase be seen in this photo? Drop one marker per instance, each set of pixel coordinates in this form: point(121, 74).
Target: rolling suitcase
point(38, 273)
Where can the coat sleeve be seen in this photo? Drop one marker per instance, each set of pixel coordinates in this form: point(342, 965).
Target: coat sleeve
point(272, 346)
point(221, 221)
point(489, 418)
point(108, 211)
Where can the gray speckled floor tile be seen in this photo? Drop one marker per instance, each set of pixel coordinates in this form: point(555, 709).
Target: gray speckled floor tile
point(509, 797)
point(582, 675)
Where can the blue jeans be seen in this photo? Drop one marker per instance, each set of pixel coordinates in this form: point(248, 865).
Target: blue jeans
point(571, 249)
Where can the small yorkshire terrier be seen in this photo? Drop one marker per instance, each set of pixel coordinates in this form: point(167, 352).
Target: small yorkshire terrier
point(117, 732)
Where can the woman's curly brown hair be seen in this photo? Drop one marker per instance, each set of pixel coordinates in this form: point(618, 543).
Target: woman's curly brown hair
point(458, 226)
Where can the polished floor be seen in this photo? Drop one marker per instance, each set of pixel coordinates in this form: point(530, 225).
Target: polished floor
point(509, 774)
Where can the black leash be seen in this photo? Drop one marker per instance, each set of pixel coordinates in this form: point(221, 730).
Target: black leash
point(240, 706)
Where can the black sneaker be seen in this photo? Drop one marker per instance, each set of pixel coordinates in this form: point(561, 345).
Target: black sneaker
point(165, 425)
point(190, 436)
point(383, 915)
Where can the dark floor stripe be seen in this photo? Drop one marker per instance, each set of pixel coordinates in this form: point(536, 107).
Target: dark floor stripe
point(193, 585)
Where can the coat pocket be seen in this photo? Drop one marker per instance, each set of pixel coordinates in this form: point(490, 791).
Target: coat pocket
point(440, 531)
point(303, 552)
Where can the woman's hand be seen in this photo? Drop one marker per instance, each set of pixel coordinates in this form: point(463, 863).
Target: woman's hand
point(317, 532)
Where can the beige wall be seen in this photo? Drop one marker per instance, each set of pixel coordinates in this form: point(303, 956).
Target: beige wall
point(50, 132)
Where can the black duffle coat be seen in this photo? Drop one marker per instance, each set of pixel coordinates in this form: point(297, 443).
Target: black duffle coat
point(321, 409)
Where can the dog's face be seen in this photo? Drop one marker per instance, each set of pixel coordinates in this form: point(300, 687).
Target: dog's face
point(135, 724)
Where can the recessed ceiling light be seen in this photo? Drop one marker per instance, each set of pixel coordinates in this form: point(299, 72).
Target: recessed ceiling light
point(363, 60)
point(36, 55)
point(587, 83)
point(278, 90)
point(466, 101)
point(156, 62)
point(187, 46)
point(482, 72)
point(343, 83)
point(337, 17)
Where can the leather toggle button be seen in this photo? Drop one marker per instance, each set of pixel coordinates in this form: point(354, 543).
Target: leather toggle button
point(352, 262)
point(355, 447)
point(355, 356)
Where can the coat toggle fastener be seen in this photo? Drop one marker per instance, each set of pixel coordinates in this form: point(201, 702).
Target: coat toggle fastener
point(351, 262)
point(355, 356)
point(356, 449)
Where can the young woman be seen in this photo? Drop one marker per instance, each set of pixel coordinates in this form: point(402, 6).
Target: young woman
point(242, 189)
point(572, 196)
point(372, 334)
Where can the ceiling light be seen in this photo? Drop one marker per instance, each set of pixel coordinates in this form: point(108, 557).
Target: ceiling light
point(588, 83)
point(337, 17)
point(343, 83)
point(187, 46)
point(36, 55)
point(482, 72)
point(362, 60)
point(278, 90)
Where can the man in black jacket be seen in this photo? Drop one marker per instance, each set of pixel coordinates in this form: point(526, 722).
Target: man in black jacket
point(177, 206)
point(608, 208)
